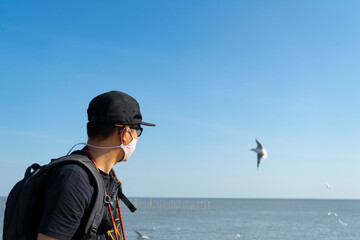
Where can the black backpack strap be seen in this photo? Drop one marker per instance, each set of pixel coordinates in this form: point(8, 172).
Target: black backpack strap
point(121, 195)
point(126, 201)
point(97, 211)
point(33, 167)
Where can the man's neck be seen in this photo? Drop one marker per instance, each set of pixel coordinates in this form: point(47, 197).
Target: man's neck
point(105, 159)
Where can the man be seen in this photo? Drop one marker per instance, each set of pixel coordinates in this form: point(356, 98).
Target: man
point(113, 130)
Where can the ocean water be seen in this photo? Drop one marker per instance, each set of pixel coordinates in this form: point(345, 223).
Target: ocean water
point(262, 219)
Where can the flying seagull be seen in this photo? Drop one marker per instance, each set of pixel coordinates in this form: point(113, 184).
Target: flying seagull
point(140, 236)
point(329, 186)
point(339, 220)
point(345, 224)
point(261, 152)
point(332, 213)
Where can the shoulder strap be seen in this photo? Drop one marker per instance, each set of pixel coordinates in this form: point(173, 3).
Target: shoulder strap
point(122, 196)
point(97, 211)
point(126, 201)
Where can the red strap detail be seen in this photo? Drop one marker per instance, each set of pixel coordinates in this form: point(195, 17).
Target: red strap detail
point(111, 214)
point(121, 222)
point(92, 159)
point(113, 222)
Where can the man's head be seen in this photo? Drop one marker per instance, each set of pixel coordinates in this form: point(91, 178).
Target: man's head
point(113, 111)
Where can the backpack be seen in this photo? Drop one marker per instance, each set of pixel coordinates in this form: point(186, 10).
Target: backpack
point(24, 204)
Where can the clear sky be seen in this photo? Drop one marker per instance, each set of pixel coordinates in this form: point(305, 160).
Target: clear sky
point(213, 76)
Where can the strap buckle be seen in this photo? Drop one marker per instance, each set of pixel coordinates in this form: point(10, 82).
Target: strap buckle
point(107, 199)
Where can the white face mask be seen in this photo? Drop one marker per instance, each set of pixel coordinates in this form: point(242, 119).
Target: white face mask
point(128, 149)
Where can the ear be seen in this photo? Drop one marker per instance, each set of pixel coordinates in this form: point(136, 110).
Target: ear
point(124, 131)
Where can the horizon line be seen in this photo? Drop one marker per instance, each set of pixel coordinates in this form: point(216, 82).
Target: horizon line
point(240, 198)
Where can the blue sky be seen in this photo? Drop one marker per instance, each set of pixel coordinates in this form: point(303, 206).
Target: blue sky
point(213, 76)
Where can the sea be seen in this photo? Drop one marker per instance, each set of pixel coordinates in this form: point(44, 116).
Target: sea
point(220, 219)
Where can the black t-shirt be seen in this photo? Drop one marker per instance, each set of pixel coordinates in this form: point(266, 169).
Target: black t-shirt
point(68, 196)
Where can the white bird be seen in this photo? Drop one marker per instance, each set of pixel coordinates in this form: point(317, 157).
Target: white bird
point(336, 215)
point(329, 186)
point(178, 229)
point(345, 224)
point(140, 236)
point(261, 152)
point(332, 213)
point(237, 236)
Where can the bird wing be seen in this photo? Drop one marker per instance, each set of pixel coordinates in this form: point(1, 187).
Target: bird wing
point(258, 144)
point(328, 186)
point(258, 160)
point(140, 235)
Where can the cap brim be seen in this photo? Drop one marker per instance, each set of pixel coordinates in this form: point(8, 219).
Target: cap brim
point(147, 124)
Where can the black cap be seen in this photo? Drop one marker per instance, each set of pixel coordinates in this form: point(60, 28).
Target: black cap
point(115, 107)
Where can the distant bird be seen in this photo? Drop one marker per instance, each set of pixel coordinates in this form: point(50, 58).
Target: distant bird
point(237, 236)
point(178, 229)
point(261, 152)
point(140, 236)
point(336, 215)
point(332, 213)
point(345, 224)
point(329, 186)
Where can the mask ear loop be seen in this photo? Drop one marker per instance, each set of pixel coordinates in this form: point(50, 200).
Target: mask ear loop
point(87, 144)
point(122, 133)
point(82, 143)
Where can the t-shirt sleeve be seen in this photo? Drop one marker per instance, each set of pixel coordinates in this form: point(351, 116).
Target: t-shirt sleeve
point(68, 195)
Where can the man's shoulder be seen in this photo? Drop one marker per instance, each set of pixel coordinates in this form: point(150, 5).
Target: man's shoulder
point(72, 167)
point(71, 172)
